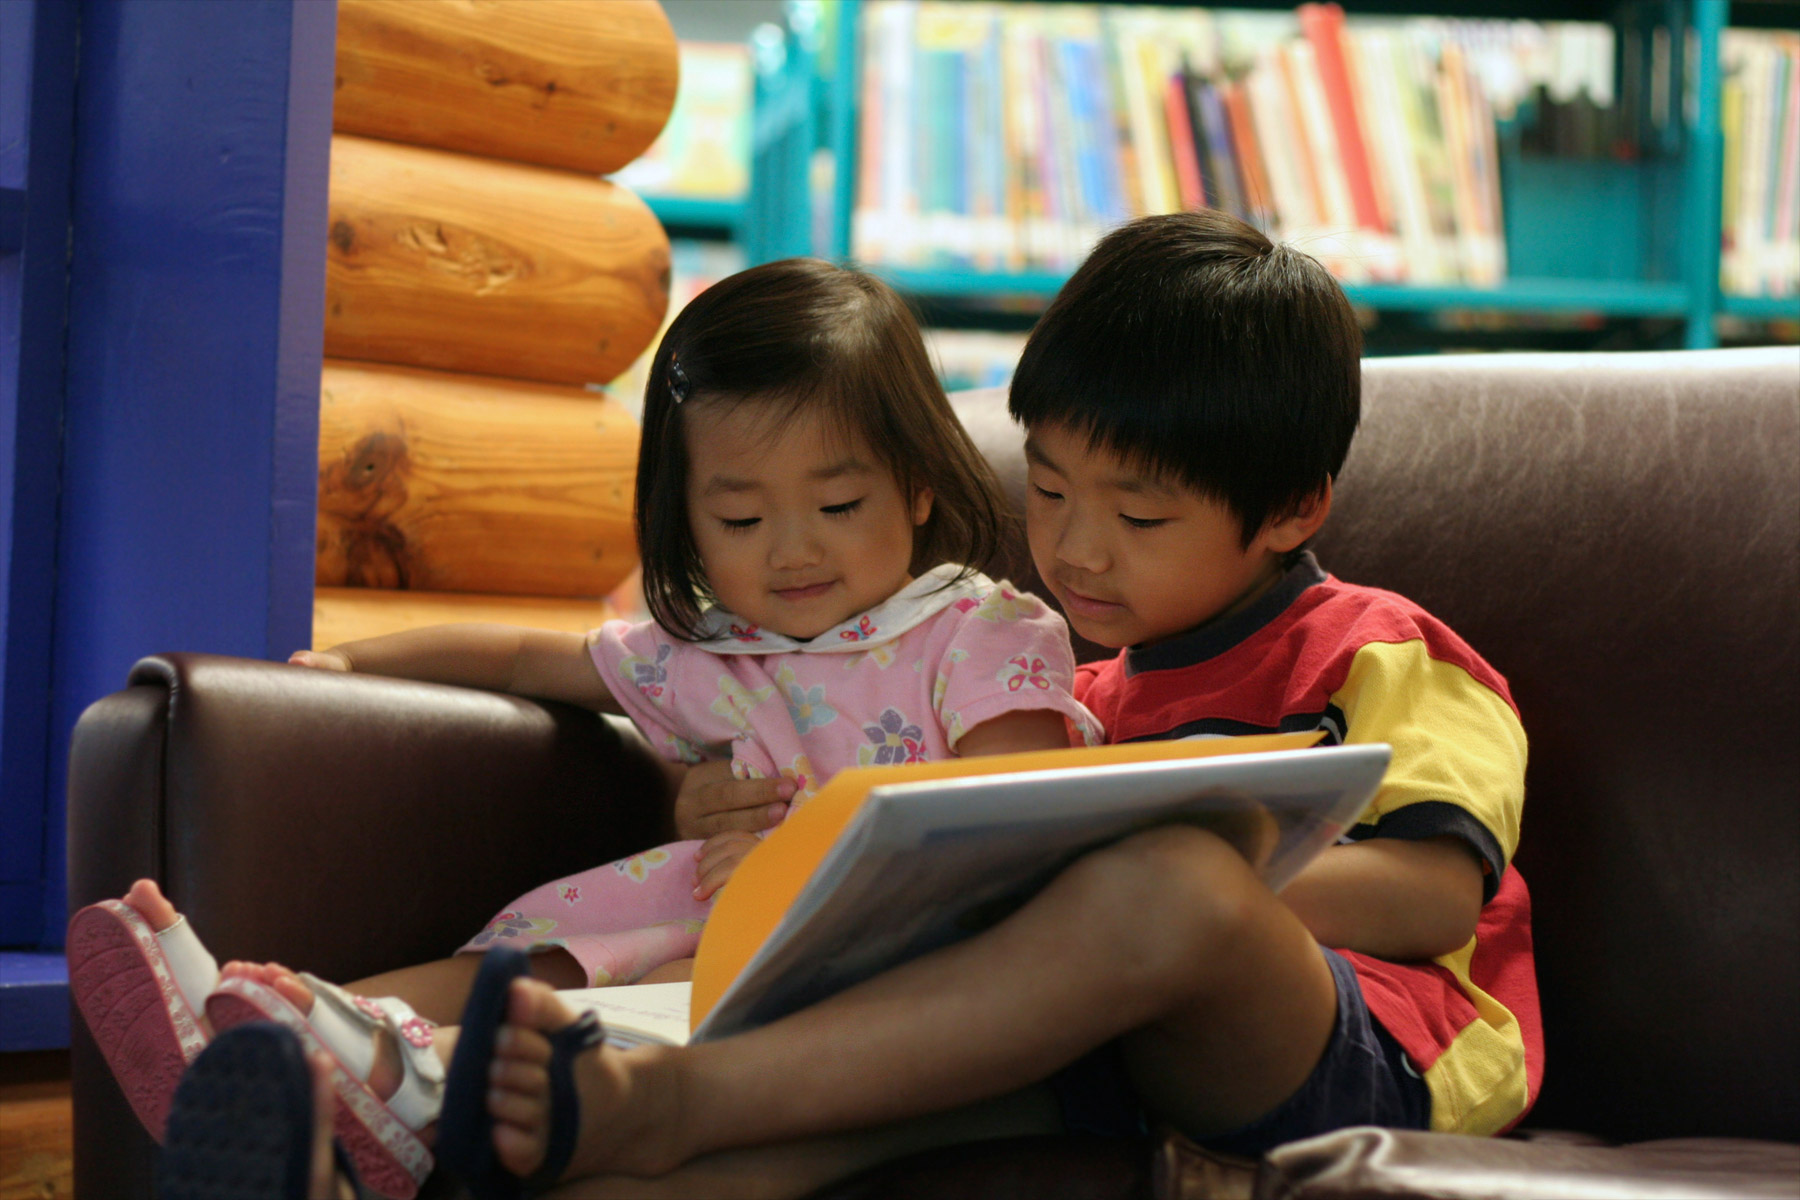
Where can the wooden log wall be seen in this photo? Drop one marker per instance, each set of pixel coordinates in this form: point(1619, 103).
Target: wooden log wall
point(479, 273)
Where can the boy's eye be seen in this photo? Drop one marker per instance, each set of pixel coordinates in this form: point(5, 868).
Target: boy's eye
point(1046, 493)
point(740, 524)
point(844, 509)
point(1143, 522)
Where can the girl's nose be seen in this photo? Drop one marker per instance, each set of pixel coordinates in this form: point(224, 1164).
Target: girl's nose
point(794, 548)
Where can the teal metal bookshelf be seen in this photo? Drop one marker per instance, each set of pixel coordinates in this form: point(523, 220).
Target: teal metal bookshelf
point(1597, 238)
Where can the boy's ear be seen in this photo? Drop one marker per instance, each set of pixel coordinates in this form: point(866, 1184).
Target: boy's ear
point(1290, 532)
point(921, 505)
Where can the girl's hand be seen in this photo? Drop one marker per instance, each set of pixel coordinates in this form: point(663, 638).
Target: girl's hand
point(719, 857)
point(323, 660)
point(710, 802)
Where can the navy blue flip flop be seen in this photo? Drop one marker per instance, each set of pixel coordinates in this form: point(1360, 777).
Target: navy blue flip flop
point(465, 1141)
point(241, 1123)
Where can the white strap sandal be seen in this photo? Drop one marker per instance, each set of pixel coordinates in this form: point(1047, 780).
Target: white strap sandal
point(380, 1135)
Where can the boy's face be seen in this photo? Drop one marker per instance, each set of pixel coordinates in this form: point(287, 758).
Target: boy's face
point(1133, 558)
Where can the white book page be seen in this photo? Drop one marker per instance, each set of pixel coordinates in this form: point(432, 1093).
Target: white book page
point(635, 1014)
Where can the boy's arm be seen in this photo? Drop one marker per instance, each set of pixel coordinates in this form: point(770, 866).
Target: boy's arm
point(1394, 898)
point(499, 658)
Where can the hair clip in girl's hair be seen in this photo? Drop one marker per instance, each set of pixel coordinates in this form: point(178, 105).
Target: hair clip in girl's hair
point(678, 380)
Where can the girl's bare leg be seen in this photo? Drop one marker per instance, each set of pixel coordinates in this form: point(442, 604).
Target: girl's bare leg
point(438, 990)
point(1168, 934)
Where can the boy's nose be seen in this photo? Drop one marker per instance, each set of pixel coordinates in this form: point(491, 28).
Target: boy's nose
point(1079, 545)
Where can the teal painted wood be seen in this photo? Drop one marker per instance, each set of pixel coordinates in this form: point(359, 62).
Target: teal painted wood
point(686, 212)
point(1761, 308)
point(1703, 194)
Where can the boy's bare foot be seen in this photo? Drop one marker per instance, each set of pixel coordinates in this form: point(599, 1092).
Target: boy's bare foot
point(629, 1098)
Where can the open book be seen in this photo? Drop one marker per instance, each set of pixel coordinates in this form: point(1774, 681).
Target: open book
point(887, 863)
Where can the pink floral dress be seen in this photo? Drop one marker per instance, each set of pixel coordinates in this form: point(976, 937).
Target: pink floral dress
point(899, 683)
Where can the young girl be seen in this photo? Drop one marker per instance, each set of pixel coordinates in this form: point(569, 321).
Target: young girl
point(812, 520)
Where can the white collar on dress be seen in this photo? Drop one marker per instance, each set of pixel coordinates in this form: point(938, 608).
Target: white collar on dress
point(720, 632)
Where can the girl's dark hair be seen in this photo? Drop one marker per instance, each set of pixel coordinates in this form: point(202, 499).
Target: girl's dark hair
point(804, 335)
point(1192, 346)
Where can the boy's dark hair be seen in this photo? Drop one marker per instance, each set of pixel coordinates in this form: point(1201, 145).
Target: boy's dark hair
point(802, 334)
point(1196, 349)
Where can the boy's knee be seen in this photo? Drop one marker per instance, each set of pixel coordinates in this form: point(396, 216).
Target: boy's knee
point(1166, 898)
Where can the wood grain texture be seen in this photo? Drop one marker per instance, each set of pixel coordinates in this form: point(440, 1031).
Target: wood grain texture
point(469, 264)
point(581, 84)
point(346, 614)
point(460, 484)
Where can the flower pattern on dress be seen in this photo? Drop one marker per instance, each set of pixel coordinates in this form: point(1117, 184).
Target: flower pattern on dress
point(806, 780)
point(892, 740)
point(512, 925)
point(683, 750)
point(745, 633)
point(735, 701)
point(1022, 671)
point(418, 1032)
point(649, 675)
point(865, 629)
point(808, 707)
point(1001, 604)
point(637, 868)
point(570, 893)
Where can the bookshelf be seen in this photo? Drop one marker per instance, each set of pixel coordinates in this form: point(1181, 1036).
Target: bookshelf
point(1586, 238)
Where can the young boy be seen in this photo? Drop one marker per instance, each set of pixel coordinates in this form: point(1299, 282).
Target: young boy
point(1188, 401)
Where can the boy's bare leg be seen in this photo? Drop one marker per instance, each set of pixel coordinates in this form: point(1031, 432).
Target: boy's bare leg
point(1167, 935)
point(793, 1169)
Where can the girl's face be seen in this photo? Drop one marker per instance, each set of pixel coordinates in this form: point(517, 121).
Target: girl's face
point(798, 529)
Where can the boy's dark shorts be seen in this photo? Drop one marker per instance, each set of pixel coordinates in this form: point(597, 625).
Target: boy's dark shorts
point(1363, 1078)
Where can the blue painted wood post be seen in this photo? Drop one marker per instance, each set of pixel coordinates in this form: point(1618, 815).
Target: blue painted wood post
point(37, 98)
point(196, 332)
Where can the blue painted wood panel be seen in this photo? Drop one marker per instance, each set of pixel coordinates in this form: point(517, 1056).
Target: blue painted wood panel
point(37, 89)
point(189, 408)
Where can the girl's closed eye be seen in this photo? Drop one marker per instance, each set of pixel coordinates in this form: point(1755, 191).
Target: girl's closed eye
point(844, 509)
point(739, 524)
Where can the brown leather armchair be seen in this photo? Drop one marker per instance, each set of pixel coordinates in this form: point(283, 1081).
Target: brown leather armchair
point(1618, 534)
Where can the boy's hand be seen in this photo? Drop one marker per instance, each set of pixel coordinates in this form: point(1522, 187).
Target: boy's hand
point(710, 802)
point(719, 857)
point(323, 660)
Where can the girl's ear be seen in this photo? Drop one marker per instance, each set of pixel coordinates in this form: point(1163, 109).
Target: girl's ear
point(921, 506)
point(1290, 532)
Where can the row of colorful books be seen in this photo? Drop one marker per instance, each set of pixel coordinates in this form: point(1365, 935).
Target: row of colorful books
point(1759, 109)
point(1007, 137)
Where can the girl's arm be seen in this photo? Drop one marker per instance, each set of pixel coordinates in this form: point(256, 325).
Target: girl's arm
point(499, 658)
point(1016, 732)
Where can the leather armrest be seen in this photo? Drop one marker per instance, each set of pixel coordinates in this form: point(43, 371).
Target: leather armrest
point(1367, 1162)
point(342, 824)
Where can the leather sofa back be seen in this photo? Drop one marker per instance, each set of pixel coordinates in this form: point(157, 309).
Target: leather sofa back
point(1619, 535)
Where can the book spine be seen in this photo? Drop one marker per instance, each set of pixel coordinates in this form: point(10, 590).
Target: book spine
point(868, 219)
point(1259, 208)
point(1323, 26)
point(1219, 151)
point(1182, 148)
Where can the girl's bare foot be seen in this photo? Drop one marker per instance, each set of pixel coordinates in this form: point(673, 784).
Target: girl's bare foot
point(195, 972)
point(152, 905)
point(629, 1098)
point(385, 1071)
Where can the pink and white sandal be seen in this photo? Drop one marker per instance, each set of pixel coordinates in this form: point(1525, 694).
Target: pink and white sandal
point(140, 993)
point(381, 1136)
